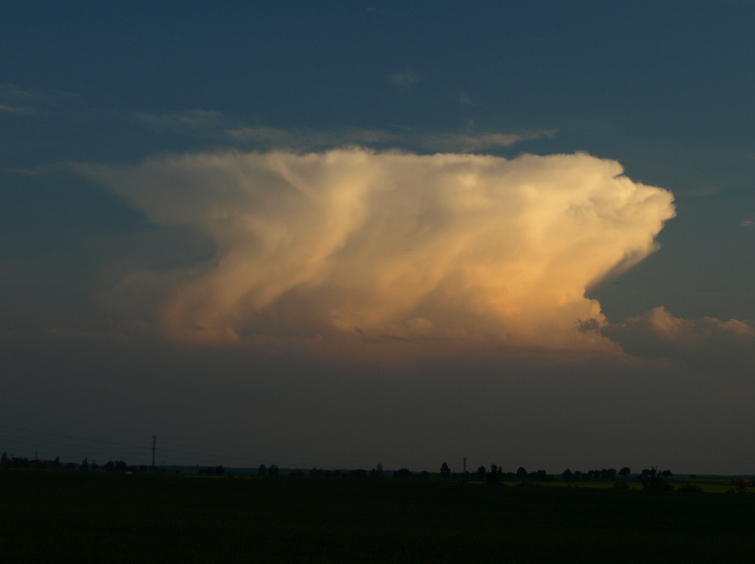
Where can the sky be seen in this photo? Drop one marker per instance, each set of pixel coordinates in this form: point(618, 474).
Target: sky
point(340, 233)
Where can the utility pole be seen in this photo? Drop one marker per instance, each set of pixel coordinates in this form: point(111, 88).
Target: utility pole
point(154, 446)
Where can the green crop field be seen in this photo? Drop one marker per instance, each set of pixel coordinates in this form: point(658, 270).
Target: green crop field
point(58, 516)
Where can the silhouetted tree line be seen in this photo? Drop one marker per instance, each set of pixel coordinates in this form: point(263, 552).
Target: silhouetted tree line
point(377, 473)
point(496, 475)
point(121, 466)
point(20, 462)
point(603, 475)
point(213, 471)
point(85, 466)
point(271, 472)
point(651, 478)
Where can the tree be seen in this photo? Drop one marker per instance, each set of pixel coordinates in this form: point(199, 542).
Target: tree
point(652, 479)
point(624, 472)
point(495, 475)
point(402, 474)
point(481, 473)
point(740, 486)
point(262, 470)
point(273, 471)
point(377, 472)
point(84, 465)
point(445, 471)
point(567, 475)
point(521, 473)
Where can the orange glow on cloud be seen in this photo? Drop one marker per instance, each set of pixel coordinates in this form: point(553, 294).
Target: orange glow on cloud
point(354, 246)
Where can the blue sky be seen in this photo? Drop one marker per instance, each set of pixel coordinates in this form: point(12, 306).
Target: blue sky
point(123, 126)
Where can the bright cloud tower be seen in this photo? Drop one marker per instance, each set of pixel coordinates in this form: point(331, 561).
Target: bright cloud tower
point(355, 246)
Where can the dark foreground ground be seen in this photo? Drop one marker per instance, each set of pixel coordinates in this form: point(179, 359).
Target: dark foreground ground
point(48, 516)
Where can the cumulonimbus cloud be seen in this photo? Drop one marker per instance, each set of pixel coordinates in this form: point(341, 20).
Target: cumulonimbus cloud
point(353, 244)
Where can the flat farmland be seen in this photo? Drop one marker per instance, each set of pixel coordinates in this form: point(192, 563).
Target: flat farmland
point(58, 516)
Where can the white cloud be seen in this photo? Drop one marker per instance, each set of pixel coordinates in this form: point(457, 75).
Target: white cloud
point(441, 251)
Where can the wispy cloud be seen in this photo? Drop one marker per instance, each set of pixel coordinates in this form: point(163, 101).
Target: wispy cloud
point(406, 79)
point(228, 131)
point(195, 121)
point(18, 100)
point(465, 100)
point(19, 171)
point(15, 109)
point(466, 141)
point(748, 223)
point(310, 140)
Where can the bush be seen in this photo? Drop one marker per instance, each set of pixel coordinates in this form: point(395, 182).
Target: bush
point(652, 480)
point(739, 487)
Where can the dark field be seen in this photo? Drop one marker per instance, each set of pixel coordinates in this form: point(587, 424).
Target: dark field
point(50, 516)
